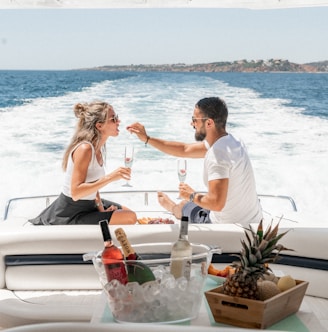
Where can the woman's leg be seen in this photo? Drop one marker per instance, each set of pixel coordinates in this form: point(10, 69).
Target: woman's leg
point(123, 217)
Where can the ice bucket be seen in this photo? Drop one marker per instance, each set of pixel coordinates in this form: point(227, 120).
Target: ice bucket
point(164, 300)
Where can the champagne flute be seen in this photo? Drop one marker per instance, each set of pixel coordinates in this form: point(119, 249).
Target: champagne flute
point(128, 160)
point(182, 170)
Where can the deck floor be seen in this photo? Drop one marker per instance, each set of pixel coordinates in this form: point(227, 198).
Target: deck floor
point(319, 307)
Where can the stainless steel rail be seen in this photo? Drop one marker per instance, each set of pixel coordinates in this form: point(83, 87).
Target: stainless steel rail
point(290, 199)
point(49, 198)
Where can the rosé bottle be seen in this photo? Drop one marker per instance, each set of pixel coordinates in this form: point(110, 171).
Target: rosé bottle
point(112, 257)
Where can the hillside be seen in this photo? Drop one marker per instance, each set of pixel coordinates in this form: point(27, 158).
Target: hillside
point(272, 65)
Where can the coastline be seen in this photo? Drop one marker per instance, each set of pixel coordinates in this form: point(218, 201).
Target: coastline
point(272, 65)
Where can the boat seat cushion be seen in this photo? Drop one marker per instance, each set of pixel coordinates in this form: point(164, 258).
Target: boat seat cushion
point(52, 277)
point(29, 307)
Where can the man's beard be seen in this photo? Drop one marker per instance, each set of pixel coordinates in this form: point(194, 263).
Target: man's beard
point(200, 136)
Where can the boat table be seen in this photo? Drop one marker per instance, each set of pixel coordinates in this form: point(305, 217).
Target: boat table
point(302, 321)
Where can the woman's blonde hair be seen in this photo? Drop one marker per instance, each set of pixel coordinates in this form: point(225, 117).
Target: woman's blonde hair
point(88, 116)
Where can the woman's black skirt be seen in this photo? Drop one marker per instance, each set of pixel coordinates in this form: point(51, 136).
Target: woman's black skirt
point(65, 211)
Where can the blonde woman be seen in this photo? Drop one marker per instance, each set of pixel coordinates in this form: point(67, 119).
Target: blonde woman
point(83, 163)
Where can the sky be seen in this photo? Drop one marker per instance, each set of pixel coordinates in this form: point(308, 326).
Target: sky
point(83, 38)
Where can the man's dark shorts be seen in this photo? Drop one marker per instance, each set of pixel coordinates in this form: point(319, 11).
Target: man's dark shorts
point(196, 214)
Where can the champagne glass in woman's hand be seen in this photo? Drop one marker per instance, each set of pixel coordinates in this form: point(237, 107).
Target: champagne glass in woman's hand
point(182, 170)
point(128, 160)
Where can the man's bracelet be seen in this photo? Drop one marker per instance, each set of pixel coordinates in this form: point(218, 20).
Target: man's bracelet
point(192, 196)
point(148, 138)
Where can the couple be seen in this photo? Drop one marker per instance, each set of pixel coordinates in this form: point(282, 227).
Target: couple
point(228, 174)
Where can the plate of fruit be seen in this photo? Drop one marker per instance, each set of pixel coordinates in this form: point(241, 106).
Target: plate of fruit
point(154, 221)
point(217, 275)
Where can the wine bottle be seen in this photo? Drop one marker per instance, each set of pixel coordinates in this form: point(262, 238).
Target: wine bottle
point(112, 257)
point(137, 271)
point(181, 253)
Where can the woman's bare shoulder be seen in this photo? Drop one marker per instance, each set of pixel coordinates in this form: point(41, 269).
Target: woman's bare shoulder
point(84, 150)
point(85, 146)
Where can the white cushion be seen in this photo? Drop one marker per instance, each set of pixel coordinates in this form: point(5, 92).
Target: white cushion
point(29, 307)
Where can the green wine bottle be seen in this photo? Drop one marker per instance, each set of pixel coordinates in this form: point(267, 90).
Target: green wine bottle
point(137, 271)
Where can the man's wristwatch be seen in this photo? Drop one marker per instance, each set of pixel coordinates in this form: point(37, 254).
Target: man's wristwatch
point(192, 196)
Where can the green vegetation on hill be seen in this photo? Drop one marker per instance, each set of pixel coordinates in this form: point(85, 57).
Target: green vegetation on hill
point(272, 65)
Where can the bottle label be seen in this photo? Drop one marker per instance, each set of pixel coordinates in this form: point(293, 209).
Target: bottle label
point(186, 268)
point(126, 246)
point(139, 272)
point(116, 271)
point(181, 268)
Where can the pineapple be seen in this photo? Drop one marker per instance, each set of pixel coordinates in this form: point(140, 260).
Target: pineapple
point(259, 250)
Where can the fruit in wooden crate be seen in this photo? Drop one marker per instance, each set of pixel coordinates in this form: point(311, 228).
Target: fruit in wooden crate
point(270, 276)
point(259, 249)
point(286, 282)
point(267, 289)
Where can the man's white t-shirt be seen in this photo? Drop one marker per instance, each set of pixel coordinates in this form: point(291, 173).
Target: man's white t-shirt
point(228, 158)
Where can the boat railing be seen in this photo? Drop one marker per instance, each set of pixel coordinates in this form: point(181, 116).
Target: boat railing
point(147, 200)
point(138, 200)
point(280, 197)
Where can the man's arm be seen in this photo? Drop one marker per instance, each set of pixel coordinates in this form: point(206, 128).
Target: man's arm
point(213, 200)
point(177, 149)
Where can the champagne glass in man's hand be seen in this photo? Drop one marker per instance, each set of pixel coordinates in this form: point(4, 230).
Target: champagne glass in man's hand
point(182, 170)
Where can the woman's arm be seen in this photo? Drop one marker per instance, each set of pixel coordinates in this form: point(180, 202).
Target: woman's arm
point(98, 202)
point(79, 188)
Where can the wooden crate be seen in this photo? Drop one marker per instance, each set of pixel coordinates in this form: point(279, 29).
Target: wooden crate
point(247, 313)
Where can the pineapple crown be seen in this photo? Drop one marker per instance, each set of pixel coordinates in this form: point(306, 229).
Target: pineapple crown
point(259, 249)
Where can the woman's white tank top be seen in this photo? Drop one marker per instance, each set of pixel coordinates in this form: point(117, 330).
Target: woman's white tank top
point(95, 172)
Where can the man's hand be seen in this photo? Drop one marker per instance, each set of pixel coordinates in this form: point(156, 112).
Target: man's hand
point(138, 129)
point(185, 191)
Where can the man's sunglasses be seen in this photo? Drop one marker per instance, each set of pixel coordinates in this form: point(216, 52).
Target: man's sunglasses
point(193, 119)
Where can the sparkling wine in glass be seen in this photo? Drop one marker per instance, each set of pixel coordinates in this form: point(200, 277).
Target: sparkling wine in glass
point(182, 169)
point(128, 160)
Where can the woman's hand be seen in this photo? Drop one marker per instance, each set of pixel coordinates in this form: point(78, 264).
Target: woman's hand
point(111, 208)
point(120, 173)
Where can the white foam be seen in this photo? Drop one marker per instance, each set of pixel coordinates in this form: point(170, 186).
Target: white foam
point(288, 150)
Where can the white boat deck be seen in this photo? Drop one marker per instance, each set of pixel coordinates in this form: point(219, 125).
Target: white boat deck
point(313, 314)
point(319, 307)
point(28, 239)
point(314, 310)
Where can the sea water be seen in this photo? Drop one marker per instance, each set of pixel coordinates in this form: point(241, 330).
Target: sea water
point(281, 117)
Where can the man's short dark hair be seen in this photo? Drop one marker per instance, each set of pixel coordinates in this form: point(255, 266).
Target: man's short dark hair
point(214, 108)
